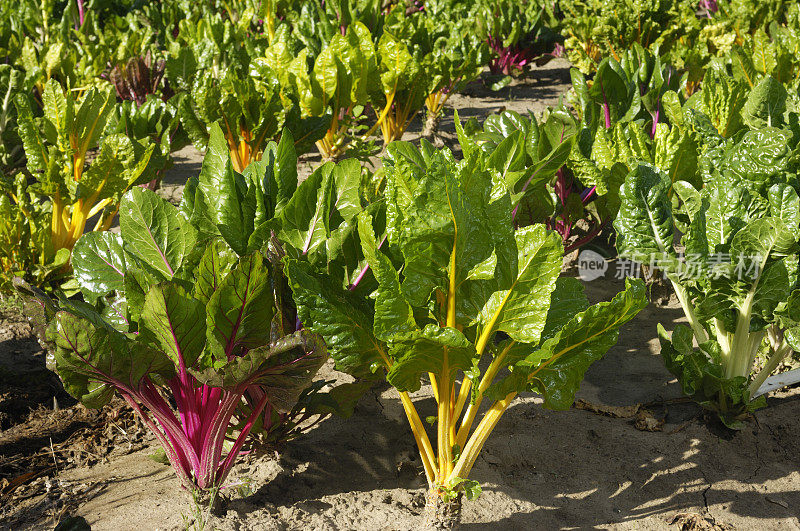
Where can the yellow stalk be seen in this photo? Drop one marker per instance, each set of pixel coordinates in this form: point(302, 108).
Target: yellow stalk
point(423, 443)
point(233, 146)
point(478, 439)
point(451, 294)
point(430, 102)
point(382, 116)
point(443, 101)
point(463, 394)
point(434, 386)
point(417, 428)
point(77, 171)
point(55, 224)
point(80, 214)
point(443, 425)
point(486, 381)
point(98, 207)
point(64, 221)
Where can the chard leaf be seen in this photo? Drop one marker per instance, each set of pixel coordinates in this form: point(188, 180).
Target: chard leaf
point(784, 203)
point(676, 154)
point(683, 360)
point(154, 233)
point(644, 224)
point(280, 171)
point(521, 310)
point(173, 323)
point(99, 264)
point(393, 313)
point(759, 155)
point(556, 368)
point(433, 349)
point(240, 311)
point(93, 359)
point(221, 198)
point(115, 169)
point(282, 370)
point(328, 199)
point(340, 316)
point(566, 301)
point(765, 104)
point(91, 117)
point(215, 265)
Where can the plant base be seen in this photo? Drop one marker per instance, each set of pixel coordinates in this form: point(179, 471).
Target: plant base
point(431, 126)
point(441, 515)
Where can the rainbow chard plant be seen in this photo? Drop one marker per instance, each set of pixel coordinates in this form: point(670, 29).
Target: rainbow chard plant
point(242, 213)
point(166, 320)
point(516, 32)
point(530, 155)
point(454, 284)
point(138, 78)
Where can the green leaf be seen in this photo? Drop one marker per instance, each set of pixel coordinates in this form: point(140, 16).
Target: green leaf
point(433, 349)
point(765, 104)
point(91, 117)
point(342, 318)
point(556, 368)
point(240, 311)
point(282, 370)
point(222, 198)
point(521, 310)
point(784, 203)
point(393, 314)
point(215, 265)
point(644, 223)
point(98, 262)
point(92, 360)
point(173, 323)
point(154, 233)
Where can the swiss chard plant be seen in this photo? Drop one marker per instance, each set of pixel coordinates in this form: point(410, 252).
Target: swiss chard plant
point(155, 122)
point(25, 249)
point(247, 211)
point(11, 82)
point(187, 315)
point(448, 52)
point(167, 320)
point(597, 29)
point(532, 156)
point(243, 95)
point(516, 33)
point(139, 77)
point(332, 87)
point(736, 274)
point(75, 191)
point(451, 283)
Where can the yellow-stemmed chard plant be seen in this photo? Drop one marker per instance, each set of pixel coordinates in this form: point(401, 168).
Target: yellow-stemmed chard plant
point(452, 295)
point(58, 151)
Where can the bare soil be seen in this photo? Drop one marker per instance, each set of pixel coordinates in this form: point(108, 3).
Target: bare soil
point(631, 453)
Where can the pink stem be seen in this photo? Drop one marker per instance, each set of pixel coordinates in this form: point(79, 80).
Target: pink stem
point(80, 13)
point(225, 467)
point(360, 276)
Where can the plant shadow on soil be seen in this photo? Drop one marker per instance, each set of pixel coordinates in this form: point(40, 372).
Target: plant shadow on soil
point(570, 468)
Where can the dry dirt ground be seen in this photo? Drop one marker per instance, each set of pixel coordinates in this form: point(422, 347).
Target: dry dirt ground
point(596, 466)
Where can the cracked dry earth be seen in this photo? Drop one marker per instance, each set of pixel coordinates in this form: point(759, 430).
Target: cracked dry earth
point(631, 455)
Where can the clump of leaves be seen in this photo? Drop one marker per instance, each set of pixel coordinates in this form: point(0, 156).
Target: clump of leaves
point(138, 78)
point(737, 277)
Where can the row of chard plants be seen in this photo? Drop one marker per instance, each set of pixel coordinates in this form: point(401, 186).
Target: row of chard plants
point(212, 318)
point(96, 96)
